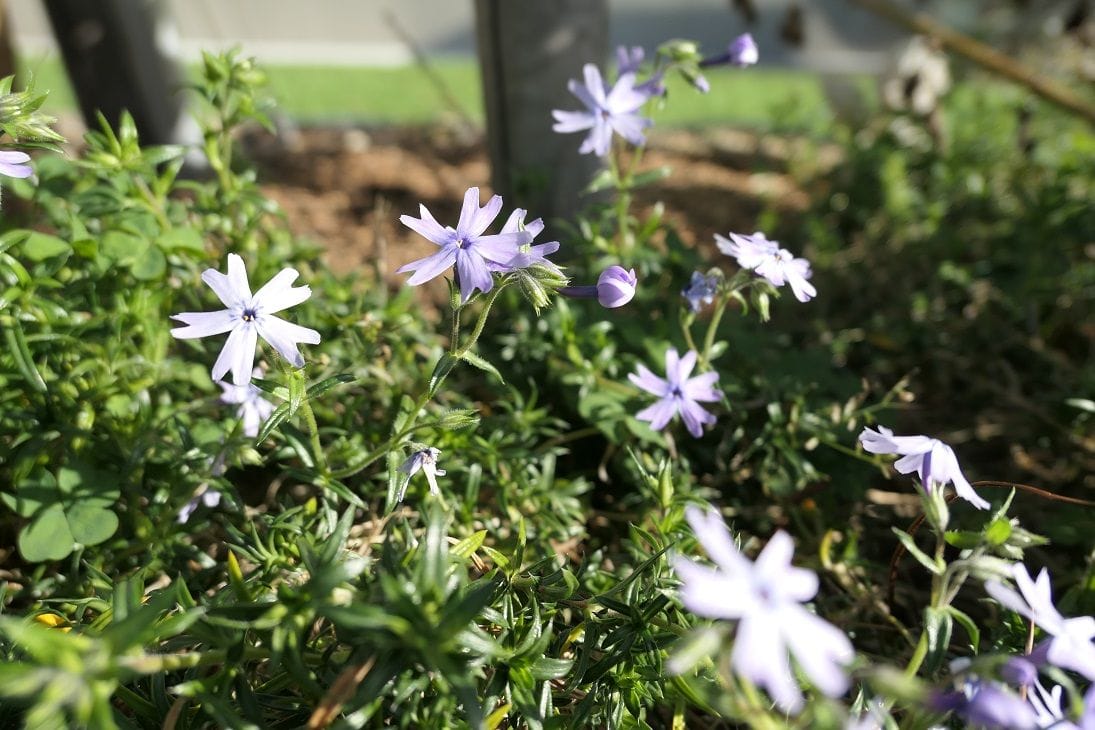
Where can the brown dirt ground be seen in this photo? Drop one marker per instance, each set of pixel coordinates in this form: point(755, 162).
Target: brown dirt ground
point(345, 188)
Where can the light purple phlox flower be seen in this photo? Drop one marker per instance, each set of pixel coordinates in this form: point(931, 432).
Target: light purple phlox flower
point(466, 246)
point(247, 318)
point(741, 52)
point(778, 265)
point(252, 407)
point(12, 164)
point(616, 286)
point(1070, 644)
point(678, 393)
point(766, 598)
point(932, 460)
point(701, 290)
point(527, 254)
point(607, 110)
point(426, 462)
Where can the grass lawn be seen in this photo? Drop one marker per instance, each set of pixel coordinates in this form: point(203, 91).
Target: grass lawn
point(410, 95)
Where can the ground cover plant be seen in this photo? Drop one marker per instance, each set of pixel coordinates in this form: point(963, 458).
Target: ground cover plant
point(641, 490)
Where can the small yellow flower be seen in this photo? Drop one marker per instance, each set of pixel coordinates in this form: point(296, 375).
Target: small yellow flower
point(53, 621)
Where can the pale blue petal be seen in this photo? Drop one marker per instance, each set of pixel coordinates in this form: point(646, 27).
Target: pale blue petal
point(237, 355)
point(572, 121)
point(474, 274)
point(283, 336)
point(203, 324)
point(658, 414)
point(649, 382)
point(428, 227)
point(429, 267)
point(594, 85)
point(278, 293)
point(694, 417)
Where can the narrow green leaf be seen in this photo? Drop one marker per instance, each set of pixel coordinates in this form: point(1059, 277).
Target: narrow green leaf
point(969, 625)
point(921, 557)
point(469, 544)
point(318, 389)
point(276, 419)
point(483, 365)
point(938, 625)
point(17, 346)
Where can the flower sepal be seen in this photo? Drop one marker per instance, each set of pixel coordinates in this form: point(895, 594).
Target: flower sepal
point(936, 511)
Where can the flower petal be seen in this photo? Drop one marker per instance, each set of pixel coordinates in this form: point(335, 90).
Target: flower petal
point(694, 417)
point(704, 590)
point(237, 355)
point(232, 289)
point(648, 381)
point(203, 324)
point(658, 414)
point(428, 227)
point(760, 656)
point(429, 267)
point(566, 122)
point(278, 293)
point(716, 540)
point(283, 336)
point(473, 273)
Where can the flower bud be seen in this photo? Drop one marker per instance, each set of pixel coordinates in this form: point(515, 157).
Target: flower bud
point(616, 286)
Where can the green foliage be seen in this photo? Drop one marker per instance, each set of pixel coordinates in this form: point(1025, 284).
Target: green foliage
point(328, 586)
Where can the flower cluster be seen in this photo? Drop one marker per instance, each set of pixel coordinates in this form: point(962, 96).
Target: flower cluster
point(475, 254)
point(777, 265)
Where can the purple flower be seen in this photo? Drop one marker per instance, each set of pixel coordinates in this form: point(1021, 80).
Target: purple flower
point(426, 462)
point(247, 318)
point(1070, 645)
point(741, 52)
point(701, 290)
point(629, 60)
point(986, 705)
point(527, 255)
point(615, 288)
point(209, 497)
point(466, 246)
point(765, 597)
point(11, 164)
point(766, 258)
point(607, 110)
point(253, 408)
point(933, 461)
point(678, 393)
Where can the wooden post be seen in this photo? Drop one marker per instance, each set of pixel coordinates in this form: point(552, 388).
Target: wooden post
point(528, 49)
point(115, 55)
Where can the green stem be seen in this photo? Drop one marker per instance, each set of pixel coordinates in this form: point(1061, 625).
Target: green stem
point(454, 332)
point(939, 601)
point(712, 330)
point(481, 322)
point(313, 435)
